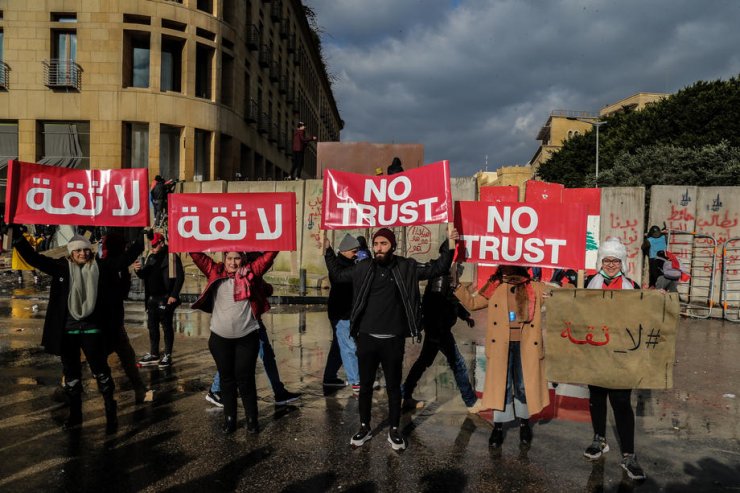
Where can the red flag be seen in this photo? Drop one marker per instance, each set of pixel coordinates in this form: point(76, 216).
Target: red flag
point(39, 194)
point(228, 222)
point(418, 196)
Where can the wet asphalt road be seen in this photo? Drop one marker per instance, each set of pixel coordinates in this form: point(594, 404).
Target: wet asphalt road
point(686, 439)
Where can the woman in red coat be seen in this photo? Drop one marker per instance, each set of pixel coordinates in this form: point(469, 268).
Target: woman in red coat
point(235, 310)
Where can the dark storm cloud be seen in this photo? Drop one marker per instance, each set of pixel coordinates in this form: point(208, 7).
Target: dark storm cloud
point(471, 79)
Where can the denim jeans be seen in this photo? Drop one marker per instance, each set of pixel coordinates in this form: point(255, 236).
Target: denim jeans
point(348, 350)
point(267, 355)
point(516, 397)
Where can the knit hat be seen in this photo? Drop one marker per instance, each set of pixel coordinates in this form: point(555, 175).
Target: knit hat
point(157, 238)
point(348, 243)
point(388, 235)
point(78, 242)
point(612, 247)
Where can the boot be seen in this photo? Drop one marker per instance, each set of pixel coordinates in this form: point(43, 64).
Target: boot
point(525, 432)
point(229, 425)
point(74, 399)
point(497, 436)
point(111, 416)
point(253, 426)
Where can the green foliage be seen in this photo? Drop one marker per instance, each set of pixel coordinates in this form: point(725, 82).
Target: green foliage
point(699, 127)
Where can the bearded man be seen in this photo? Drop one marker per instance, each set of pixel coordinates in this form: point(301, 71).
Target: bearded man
point(385, 310)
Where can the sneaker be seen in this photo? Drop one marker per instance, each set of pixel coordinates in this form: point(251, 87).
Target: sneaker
point(166, 361)
point(334, 382)
point(597, 448)
point(634, 471)
point(525, 434)
point(361, 436)
point(286, 398)
point(149, 359)
point(356, 389)
point(214, 398)
point(376, 385)
point(497, 437)
point(411, 403)
point(397, 441)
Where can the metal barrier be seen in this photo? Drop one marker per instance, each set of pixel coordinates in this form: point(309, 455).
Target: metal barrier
point(699, 252)
point(730, 292)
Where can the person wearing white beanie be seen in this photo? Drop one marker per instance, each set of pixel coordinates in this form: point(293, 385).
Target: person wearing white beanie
point(78, 242)
point(612, 275)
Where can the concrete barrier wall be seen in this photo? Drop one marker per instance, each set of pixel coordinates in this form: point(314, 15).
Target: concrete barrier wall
point(622, 215)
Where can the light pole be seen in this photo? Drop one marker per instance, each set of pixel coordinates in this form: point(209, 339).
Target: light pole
point(597, 124)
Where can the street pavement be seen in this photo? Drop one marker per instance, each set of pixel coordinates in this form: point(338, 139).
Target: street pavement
point(686, 438)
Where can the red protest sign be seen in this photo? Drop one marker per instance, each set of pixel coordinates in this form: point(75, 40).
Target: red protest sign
point(498, 193)
point(534, 234)
point(418, 196)
point(39, 194)
point(542, 191)
point(227, 222)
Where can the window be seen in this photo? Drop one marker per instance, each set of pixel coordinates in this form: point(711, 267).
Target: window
point(205, 6)
point(229, 8)
point(3, 65)
point(63, 68)
point(136, 145)
point(203, 71)
point(8, 150)
point(202, 155)
point(171, 70)
point(169, 151)
point(227, 169)
point(227, 79)
point(67, 17)
point(65, 144)
point(135, 59)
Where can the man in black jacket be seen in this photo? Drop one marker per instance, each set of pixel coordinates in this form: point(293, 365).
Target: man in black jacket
point(385, 310)
point(161, 297)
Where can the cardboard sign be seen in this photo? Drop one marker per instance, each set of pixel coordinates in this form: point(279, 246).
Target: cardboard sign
point(227, 222)
point(615, 339)
point(40, 194)
point(418, 196)
point(539, 234)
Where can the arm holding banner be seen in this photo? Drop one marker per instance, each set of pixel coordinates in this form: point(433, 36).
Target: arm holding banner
point(262, 264)
point(469, 300)
point(179, 280)
point(203, 262)
point(441, 265)
point(336, 272)
point(32, 257)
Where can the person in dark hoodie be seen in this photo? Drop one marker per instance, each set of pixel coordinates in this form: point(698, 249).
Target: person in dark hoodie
point(81, 315)
point(161, 297)
point(395, 166)
point(385, 310)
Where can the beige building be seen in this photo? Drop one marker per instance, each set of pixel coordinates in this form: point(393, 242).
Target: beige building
point(192, 89)
point(561, 125)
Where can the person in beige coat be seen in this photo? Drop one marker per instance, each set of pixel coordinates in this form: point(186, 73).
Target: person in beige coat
point(515, 385)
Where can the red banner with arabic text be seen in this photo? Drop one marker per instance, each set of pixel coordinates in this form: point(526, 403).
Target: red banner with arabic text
point(228, 222)
point(532, 234)
point(418, 196)
point(40, 194)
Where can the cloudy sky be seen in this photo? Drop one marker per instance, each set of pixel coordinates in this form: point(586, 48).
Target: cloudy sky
point(476, 78)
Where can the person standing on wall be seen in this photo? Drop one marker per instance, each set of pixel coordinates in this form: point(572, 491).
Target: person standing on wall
point(300, 140)
point(161, 297)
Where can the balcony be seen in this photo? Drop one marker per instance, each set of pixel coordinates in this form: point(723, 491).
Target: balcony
point(4, 76)
point(62, 74)
point(276, 10)
point(253, 38)
point(252, 111)
point(265, 57)
point(274, 71)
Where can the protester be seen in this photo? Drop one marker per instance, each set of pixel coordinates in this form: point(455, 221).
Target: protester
point(300, 140)
point(113, 249)
point(440, 311)
point(612, 262)
point(236, 308)
point(671, 272)
point(82, 314)
point(343, 350)
point(384, 313)
point(515, 385)
point(655, 241)
point(161, 297)
point(261, 290)
point(395, 167)
point(158, 193)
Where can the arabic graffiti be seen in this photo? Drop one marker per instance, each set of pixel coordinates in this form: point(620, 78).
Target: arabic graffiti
point(419, 240)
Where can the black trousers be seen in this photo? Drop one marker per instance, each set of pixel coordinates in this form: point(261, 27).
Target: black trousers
point(295, 171)
point(93, 345)
point(371, 352)
point(128, 359)
point(236, 360)
point(654, 271)
point(429, 349)
point(623, 414)
point(156, 316)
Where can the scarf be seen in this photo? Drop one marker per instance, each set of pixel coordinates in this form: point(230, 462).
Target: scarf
point(618, 282)
point(83, 289)
point(526, 287)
